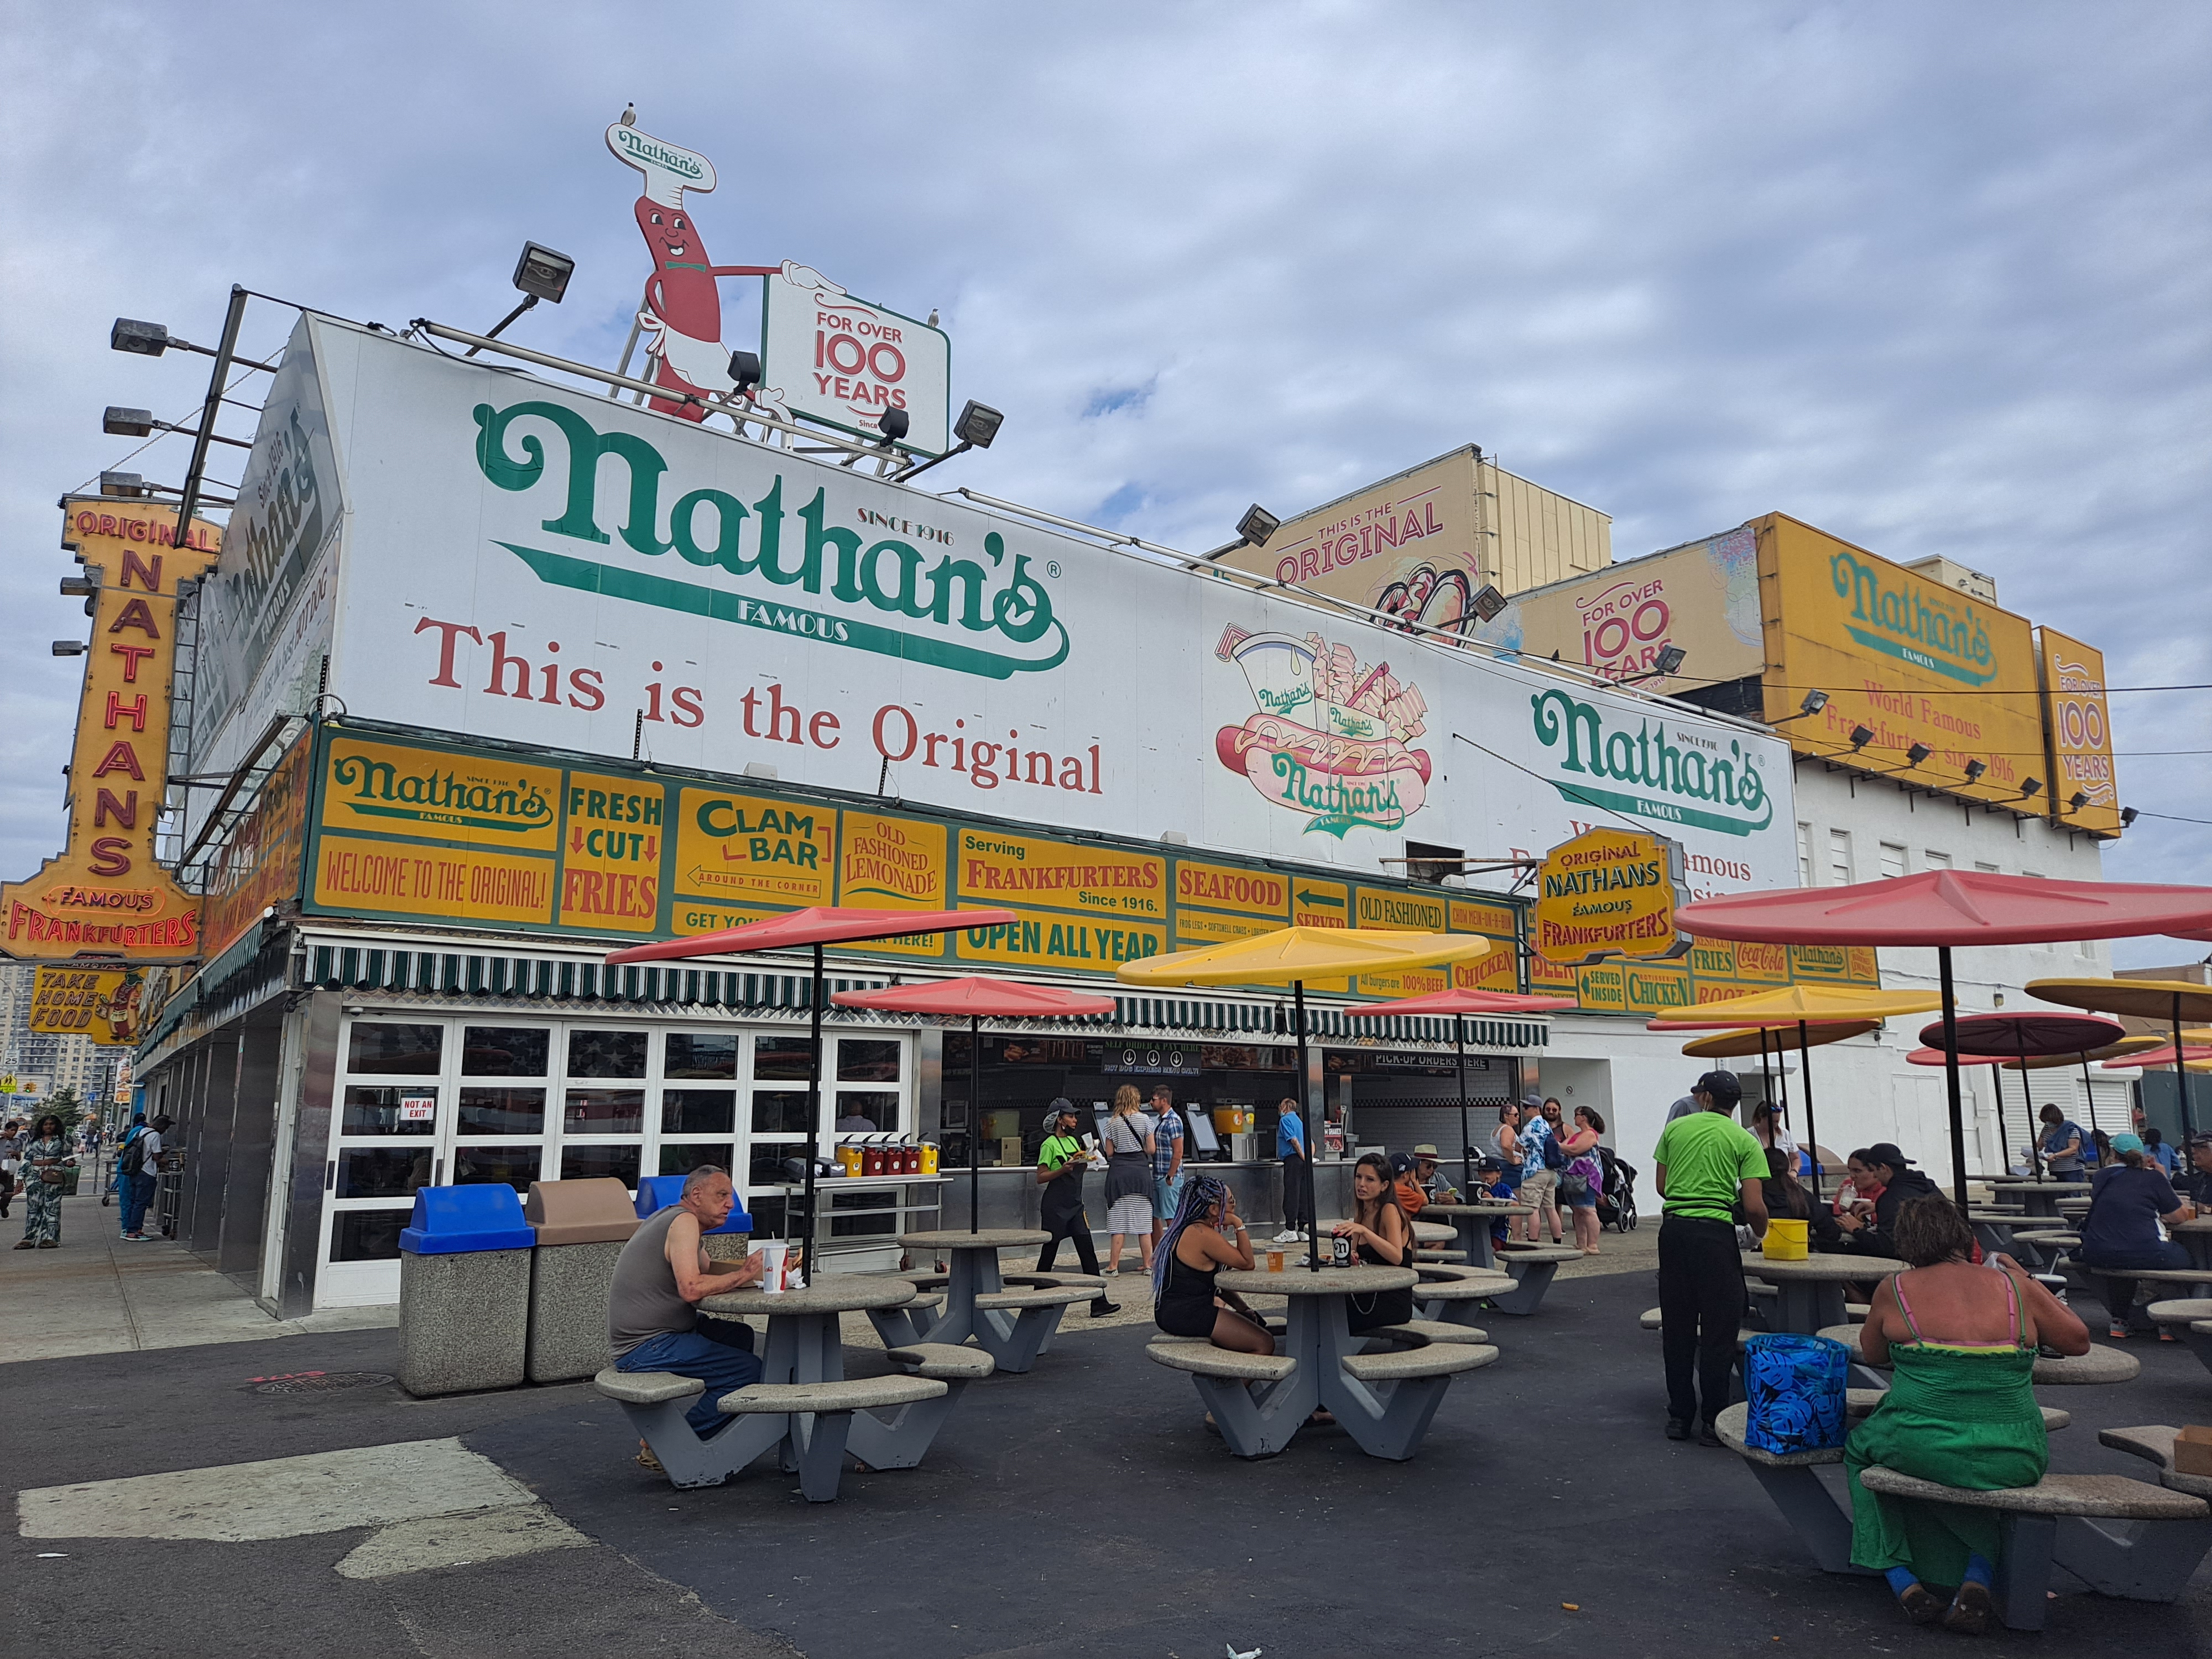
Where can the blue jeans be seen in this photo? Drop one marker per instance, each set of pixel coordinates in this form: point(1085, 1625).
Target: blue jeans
point(137, 1194)
point(711, 1354)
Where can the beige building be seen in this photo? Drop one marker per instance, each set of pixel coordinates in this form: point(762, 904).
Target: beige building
point(1420, 544)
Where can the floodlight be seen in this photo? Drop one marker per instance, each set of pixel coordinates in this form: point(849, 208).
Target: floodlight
point(1974, 770)
point(68, 647)
point(894, 424)
point(78, 588)
point(1669, 660)
point(1917, 753)
point(2077, 800)
point(2128, 816)
point(543, 273)
point(978, 424)
point(745, 369)
point(1488, 601)
point(1257, 525)
point(141, 339)
point(1813, 703)
point(121, 422)
point(122, 483)
point(2029, 788)
point(1862, 736)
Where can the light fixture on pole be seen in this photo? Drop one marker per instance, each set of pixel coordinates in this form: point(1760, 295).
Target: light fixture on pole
point(2128, 816)
point(894, 424)
point(152, 339)
point(68, 647)
point(2028, 788)
point(1487, 601)
point(1917, 753)
point(1252, 531)
point(1812, 703)
point(1669, 660)
point(129, 484)
point(118, 421)
point(1974, 770)
point(2077, 800)
point(978, 424)
point(1861, 737)
point(539, 274)
point(745, 371)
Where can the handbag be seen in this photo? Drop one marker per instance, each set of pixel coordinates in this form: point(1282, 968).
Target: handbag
point(1795, 1386)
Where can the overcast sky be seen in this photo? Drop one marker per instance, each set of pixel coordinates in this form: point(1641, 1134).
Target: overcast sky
point(1933, 277)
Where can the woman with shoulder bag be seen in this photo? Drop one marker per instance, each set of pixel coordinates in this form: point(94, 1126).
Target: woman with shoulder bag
point(47, 1161)
point(1128, 1179)
point(1584, 1178)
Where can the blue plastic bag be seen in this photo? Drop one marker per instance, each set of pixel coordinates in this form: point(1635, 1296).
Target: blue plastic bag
point(1795, 1385)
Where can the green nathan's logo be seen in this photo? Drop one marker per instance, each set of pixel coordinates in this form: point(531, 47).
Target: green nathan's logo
point(1945, 637)
point(381, 790)
point(1643, 774)
point(1005, 613)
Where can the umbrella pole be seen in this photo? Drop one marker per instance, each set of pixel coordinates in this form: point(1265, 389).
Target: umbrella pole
point(2088, 1092)
point(1765, 1077)
point(1312, 1127)
point(2027, 1103)
point(1812, 1134)
point(1466, 1151)
point(813, 1112)
point(2181, 1076)
point(1951, 1079)
point(975, 1122)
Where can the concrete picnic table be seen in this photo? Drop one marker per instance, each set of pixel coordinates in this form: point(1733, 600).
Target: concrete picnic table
point(1011, 1326)
point(1471, 1225)
point(1995, 1230)
point(2040, 1197)
point(1319, 1339)
point(2195, 1237)
point(804, 1345)
point(1809, 1294)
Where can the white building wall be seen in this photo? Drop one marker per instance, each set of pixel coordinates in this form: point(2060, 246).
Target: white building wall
point(1861, 830)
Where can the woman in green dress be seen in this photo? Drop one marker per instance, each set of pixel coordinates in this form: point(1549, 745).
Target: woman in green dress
point(44, 1161)
point(1959, 1411)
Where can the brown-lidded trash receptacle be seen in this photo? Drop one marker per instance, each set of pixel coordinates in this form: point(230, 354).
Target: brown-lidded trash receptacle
point(582, 1226)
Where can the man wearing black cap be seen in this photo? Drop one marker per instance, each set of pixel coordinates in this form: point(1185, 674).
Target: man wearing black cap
point(2194, 1179)
point(1061, 1162)
point(1706, 1162)
point(1900, 1184)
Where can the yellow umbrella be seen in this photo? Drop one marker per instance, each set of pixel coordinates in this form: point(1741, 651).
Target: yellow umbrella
point(1291, 955)
point(2168, 999)
point(1728, 1045)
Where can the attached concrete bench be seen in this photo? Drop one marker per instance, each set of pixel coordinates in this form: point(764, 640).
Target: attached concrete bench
point(1044, 1296)
point(1431, 1330)
point(2063, 1521)
point(1440, 1256)
point(2191, 1321)
point(1409, 1364)
point(1251, 1397)
point(655, 1402)
point(818, 1419)
point(1459, 1302)
point(1092, 1282)
point(1532, 1266)
point(2100, 1365)
point(2155, 1441)
point(1201, 1357)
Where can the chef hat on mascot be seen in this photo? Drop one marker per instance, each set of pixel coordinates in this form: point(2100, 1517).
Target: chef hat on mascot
point(669, 169)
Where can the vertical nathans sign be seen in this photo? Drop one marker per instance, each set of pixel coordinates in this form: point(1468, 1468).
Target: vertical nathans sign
point(524, 563)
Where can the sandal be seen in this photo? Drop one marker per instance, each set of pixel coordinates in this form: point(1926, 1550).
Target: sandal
point(1922, 1606)
point(646, 1460)
point(1970, 1609)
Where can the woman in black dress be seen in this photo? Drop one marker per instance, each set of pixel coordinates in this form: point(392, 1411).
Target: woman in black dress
point(1206, 1236)
point(1381, 1237)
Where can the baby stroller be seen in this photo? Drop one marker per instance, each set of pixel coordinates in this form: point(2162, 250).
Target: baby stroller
point(1616, 1203)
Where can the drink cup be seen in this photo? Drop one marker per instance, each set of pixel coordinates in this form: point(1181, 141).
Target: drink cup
point(1341, 1251)
point(772, 1276)
point(1274, 1262)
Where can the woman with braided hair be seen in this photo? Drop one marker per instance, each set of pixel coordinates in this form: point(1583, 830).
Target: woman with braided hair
point(1207, 1235)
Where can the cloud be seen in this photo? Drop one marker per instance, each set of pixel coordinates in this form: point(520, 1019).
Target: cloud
point(1932, 279)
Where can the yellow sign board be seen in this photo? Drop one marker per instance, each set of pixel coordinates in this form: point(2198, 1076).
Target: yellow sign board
point(1762, 963)
point(1498, 971)
point(1016, 870)
point(1831, 963)
point(259, 862)
point(427, 880)
point(1468, 917)
point(753, 849)
point(2077, 724)
point(890, 863)
point(104, 895)
point(1602, 989)
point(1320, 904)
point(1040, 940)
point(103, 1004)
point(1608, 892)
point(1228, 887)
point(1902, 658)
point(396, 789)
point(1396, 910)
point(1653, 989)
point(610, 843)
point(1196, 928)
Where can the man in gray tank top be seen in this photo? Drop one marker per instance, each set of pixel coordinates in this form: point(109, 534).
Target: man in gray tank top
point(660, 1277)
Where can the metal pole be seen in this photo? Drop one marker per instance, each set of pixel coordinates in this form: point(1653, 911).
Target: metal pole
point(1812, 1134)
point(1307, 1113)
point(975, 1122)
point(1466, 1152)
point(194, 474)
point(2180, 1073)
point(1951, 1080)
point(2027, 1101)
point(813, 1110)
point(2089, 1091)
point(1765, 1077)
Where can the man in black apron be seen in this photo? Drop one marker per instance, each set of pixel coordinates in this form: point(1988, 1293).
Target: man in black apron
point(1061, 1162)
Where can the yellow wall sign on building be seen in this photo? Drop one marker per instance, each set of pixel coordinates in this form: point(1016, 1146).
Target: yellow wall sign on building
point(992, 868)
point(1037, 938)
point(104, 895)
point(754, 849)
point(103, 1004)
point(611, 836)
point(2078, 724)
point(1609, 892)
point(437, 794)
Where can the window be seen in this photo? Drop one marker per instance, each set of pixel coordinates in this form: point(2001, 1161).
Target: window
point(1986, 869)
point(1839, 858)
point(1804, 855)
point(1426, 862)
point(1933, 860)
point(395, 1050)
point(1893, 860)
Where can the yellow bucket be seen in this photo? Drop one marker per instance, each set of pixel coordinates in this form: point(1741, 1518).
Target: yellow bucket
point(929, 1158)
point(1785, 1240)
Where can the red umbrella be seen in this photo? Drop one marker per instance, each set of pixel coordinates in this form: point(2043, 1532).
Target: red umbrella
point(2192, 1053)
point(2029, 1031)
point(1944, 909)
point(976, 996)
point(1460, 1004)
point(818, 926)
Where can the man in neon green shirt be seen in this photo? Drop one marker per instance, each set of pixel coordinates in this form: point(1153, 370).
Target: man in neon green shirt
point(1704, 1162)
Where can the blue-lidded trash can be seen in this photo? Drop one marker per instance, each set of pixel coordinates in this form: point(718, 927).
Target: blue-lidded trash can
point(727, 1242)
point(463, 1289)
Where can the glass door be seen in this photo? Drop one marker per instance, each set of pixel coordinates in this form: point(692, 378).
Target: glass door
point(389, 1103)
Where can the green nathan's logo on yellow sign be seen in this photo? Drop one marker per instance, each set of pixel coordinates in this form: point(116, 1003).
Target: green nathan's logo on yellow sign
point(392, 790)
